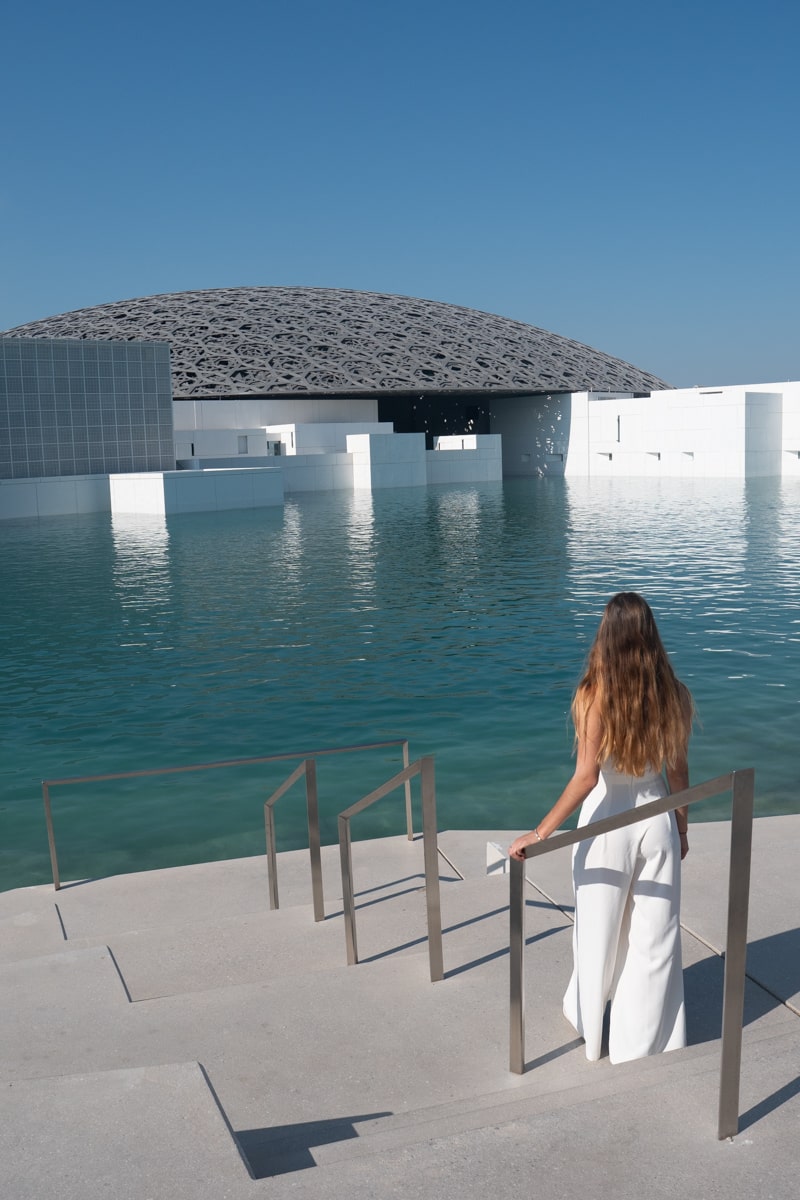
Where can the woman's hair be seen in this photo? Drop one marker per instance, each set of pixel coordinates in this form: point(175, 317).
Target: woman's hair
point(645, 711)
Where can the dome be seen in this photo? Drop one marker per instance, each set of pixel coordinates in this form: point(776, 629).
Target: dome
point(296, 341)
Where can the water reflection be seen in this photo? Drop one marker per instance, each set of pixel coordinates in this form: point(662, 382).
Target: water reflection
point(292, 545)
point(457, 517)
point(719, 562)
point(142, 578)
point(681, 547)
point(141, 560)
point(361, 548)
point(457, 616)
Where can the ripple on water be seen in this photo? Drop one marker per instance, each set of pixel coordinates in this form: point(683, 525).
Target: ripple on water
point(458, 617)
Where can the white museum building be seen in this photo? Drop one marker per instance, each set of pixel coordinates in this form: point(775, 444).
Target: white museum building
point(234, 398)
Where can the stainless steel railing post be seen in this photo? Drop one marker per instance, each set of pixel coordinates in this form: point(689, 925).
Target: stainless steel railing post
point(314, 851)
point(517, 964)
point(269, 829)
point(51, 837)
point(272, 858)
point(735, 952)
point(431, 851)
point(409, 813)
point(742, 784)
point(424, 768)
point(47, 784)
point(348, 894)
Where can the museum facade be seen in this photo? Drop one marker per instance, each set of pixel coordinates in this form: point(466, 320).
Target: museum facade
point(335, 388)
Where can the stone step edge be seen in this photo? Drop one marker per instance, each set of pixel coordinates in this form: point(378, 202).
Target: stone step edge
point(291, 912)
point(423, 1125)
point(497, 1101)
point(286, 907)
point(126, 999)
point(80, 1135)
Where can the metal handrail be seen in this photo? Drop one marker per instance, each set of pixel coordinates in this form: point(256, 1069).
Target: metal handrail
point(308, 768)
point(424, 768)
point(742, 785)
point(47, 784)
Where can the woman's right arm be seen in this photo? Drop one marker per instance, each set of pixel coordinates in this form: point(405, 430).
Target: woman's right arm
point(584, 778)
point(678, 779)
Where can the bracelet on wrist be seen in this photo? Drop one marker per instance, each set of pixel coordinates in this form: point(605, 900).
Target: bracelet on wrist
point(537, 835)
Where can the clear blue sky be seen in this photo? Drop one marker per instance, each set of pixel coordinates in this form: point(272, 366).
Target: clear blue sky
point(625, 173)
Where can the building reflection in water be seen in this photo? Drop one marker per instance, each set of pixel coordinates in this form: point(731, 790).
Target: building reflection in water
point(142, 576)
point(362, 555)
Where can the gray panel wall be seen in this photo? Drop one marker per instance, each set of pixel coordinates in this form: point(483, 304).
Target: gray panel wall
point(77, 407)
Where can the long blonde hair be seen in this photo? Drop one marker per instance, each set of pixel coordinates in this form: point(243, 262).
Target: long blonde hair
point(645, 711)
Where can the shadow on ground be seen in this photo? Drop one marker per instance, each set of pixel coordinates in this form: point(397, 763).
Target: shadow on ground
point(773, 977)
point(280, 1149)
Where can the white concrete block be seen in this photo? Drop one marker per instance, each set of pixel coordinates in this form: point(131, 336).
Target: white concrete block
point(135, 493)
point(148, 494)
point(18, 498)
point(497, 862)
point(92, 493)
point(231, 490)
point(460, 441)
point(54, 496)
point(190, 491)
point(323, 478)
point(267, 488)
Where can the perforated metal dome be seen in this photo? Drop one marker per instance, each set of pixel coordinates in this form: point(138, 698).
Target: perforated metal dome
point(283, 341)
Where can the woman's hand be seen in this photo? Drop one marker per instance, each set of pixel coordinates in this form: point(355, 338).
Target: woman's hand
point(517, 847)
point(684, 844)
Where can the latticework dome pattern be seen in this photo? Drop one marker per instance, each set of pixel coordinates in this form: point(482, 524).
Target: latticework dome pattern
point(284, 341)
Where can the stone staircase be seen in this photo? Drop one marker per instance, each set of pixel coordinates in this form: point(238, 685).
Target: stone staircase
point(166, 1035)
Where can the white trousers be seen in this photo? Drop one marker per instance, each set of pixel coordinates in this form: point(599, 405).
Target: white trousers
point(626, 939)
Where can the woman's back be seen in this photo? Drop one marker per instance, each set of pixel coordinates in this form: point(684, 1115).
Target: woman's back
point(642, 710)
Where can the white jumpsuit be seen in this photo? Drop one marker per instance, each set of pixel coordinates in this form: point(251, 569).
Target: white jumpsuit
point(626, 940)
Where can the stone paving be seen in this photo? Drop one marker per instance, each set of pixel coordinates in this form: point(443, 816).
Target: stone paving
point(165, 1035)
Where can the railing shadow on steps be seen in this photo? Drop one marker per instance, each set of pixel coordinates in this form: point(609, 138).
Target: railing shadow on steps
point(425, 769)
point(307, 756)
point(742, 786)
point(308, 768)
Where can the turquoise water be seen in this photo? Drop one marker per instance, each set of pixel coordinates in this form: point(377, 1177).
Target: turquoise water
point(456, 616)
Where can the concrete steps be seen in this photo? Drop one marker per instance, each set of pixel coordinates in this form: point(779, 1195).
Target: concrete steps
point(655, 1136)
point(131, 1134)
point(38, 919)
point(328, 1078)
point(29, 924)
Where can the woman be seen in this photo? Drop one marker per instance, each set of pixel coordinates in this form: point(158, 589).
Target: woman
point(632, 719)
